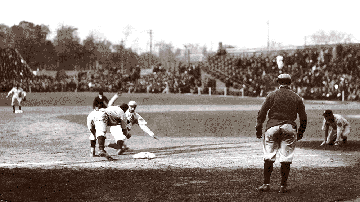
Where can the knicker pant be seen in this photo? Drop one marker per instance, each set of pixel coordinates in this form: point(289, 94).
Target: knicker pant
point(117, 133)
point(280, 139)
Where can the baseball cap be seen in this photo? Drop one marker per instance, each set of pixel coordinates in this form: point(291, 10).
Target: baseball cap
point(284, 79)
point(327, 112)
point(132, 103)
point(101, 93)
point(284, 76)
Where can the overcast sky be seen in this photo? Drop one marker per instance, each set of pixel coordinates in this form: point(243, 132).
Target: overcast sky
point(238, 23)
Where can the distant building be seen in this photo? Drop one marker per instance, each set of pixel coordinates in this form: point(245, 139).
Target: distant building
point(241, 52)
point(194, 57)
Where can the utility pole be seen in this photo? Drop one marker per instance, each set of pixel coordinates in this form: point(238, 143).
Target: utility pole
point(150, 49)
point(185, 52)
point(189, 56)
point(268, 41)
point(122, 56)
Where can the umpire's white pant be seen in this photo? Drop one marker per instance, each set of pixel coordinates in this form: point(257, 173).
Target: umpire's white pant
point(280, 139)
point(117, 133)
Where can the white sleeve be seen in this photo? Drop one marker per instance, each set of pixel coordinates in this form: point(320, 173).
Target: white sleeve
point(89, 120)
point(12, 90)
point(323, 126)
point(146, 130)
point(140, 120)
point(112, 100)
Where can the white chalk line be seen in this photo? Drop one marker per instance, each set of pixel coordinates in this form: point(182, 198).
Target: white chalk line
point(65, 163)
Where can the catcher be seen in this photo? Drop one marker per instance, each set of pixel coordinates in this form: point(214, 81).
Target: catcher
point(336, 128)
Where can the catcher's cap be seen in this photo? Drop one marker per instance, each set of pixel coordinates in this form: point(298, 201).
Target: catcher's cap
point(284, 79)
point(132, 103)
point(327, 112)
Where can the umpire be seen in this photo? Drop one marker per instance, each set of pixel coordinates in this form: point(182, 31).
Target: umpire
point(281, 133)
point(101, 101)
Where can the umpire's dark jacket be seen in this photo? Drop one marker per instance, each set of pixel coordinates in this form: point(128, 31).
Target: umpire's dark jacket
point(283, 105)
point(100, 102)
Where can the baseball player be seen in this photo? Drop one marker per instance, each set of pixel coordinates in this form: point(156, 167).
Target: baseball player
point(336, 128)
point(19, 95)
point(132, 118)
point(281, 133)
point(100, 118)
point(96, 123)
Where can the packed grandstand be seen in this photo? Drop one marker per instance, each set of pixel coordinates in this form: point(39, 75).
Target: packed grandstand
point(319, 72)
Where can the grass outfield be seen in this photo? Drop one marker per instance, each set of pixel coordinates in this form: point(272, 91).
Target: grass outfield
point(205, 153)
point(86, 98)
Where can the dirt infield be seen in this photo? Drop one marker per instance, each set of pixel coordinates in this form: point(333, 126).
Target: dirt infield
point(64, 143)
point(39, 139)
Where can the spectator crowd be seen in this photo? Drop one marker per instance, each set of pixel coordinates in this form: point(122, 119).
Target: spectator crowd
point(318, 73)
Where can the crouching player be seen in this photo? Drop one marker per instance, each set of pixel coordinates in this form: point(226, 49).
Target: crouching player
point(96, 123)
point(19, 95)
point(100, 118)
point(336, 128)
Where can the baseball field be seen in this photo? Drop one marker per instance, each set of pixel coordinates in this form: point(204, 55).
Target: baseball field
point(207, 151)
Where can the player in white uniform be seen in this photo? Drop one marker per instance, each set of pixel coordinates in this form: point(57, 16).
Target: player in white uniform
point(336, 128)
point(96, 123)
point(132, 118)
point(135, 118)
point(100, 118)
point(19, 95)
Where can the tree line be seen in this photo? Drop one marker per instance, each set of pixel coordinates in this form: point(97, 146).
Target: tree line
point(67, 51)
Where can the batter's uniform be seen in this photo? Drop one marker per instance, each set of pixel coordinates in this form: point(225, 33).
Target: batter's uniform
point(282, 107)
point(18, 94)
point(337, 130)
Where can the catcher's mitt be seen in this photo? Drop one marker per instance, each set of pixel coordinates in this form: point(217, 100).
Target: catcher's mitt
point(128, 136)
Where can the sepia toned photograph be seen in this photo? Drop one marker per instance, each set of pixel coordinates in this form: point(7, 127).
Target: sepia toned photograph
point(179, 101)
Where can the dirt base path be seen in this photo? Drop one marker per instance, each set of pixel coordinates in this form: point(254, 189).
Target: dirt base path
point(40, 139)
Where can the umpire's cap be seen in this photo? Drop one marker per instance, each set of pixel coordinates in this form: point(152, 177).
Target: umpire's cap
point(101, 92)
point(328, 112)
point(284, 79)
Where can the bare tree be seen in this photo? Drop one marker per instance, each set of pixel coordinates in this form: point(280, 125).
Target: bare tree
point(167, 53)
point(331, 37)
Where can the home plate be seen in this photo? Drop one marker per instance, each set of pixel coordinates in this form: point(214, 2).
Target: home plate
point(18, 111)
point(144, 155)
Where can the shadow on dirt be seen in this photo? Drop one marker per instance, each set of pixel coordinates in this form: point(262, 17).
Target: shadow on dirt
point(315, 145)
point(185, 149)
point(174, 184)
